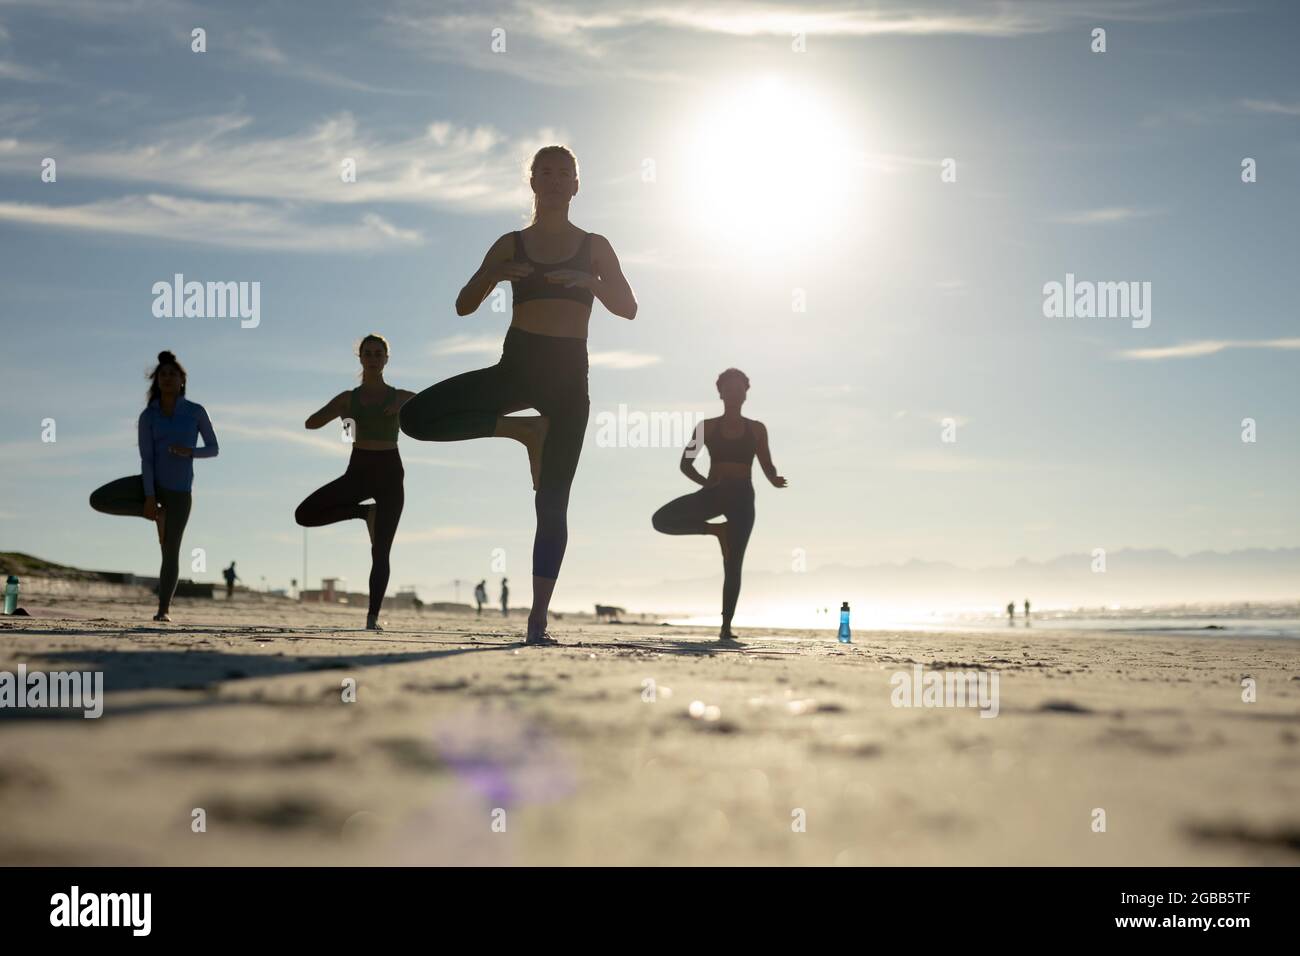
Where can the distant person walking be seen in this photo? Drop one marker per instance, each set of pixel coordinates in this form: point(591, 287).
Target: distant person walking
point(732, 442)
point(505, 599)
point(231, 577)
point(168, 431)
point(1026, 612)
point(1011, 613)
point(480, 596)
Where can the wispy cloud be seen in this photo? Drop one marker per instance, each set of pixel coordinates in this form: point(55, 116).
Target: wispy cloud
point(882, 18)
point(116, 434)
point(27, 462)
point(622, 360)
point(257, 46)
point(1272, 106)
point(102, 10)
point(441, 165)
point(574, 43)
point(468, 345)
point(245, 44)
point(325, 441)
point(491, 345)
point(948, 460)
point(1205, 347)
point(1103, 216)
point(9, 70)
point(12, 70)
point(240, 225)
point(944, 462)
point(249, 423)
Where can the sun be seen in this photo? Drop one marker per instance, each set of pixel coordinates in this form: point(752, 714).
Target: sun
point(768, 165)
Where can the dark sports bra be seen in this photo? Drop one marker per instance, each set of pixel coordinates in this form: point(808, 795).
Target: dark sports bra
point(739, 450)
point(371, 422)
point(536, 286)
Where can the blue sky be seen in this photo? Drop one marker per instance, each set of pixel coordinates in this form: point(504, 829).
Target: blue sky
point(774, 171)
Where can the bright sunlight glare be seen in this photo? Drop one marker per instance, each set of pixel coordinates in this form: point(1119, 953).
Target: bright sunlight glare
point(770, 166)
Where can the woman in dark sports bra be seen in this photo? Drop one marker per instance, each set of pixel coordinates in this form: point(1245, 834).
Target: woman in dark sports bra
point(374, 470)
point(555, 270)
point(732, 443)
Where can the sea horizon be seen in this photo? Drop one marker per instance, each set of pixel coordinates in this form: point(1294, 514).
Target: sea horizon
point(1219, 619)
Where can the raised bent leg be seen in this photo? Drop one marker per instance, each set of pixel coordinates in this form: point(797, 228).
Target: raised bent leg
point(689, 514)
point(462, 407)
point(125, 496)
point(340, 500)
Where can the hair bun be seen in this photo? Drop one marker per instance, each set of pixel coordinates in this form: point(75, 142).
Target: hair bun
point(166, 358)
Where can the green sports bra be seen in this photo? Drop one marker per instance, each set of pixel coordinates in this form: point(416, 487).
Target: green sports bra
point(371, 422)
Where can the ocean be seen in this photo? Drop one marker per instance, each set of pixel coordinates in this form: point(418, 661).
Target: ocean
point(1205, 620)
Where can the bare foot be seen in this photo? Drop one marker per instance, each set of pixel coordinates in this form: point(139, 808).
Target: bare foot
point(372, 623)
point(726, 637)
point(537, 635)
point(162, 616)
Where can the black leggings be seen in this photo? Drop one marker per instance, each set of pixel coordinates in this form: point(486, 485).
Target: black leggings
point(370, 474)
point(689, 514)
point(125, 496)
point(545, 372)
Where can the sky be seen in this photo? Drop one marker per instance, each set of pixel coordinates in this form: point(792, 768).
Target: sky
point(859, 205)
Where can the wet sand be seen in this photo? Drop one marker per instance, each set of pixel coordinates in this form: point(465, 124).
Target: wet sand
point(464, 747)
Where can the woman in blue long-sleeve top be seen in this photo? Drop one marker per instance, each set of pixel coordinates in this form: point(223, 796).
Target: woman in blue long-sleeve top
point(169, 428)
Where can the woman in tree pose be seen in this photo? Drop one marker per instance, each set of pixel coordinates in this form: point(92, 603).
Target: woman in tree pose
point(168, 431)
point(555, 270)
point(374, 470)
point(732, 442)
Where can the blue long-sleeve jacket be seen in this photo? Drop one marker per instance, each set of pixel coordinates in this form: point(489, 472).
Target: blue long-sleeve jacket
point(158, 432)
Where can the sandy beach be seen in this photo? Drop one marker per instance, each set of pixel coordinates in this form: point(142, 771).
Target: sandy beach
point(464, 747)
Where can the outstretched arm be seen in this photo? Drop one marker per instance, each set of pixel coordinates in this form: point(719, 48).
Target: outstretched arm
point(497, 266)
point(336, 407)
point(765, 456)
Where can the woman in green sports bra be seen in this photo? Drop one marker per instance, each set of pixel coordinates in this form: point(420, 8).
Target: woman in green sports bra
point(374, 470)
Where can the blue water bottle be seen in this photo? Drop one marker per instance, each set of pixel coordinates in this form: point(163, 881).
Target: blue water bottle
point(845, 637)
point(11, 594)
